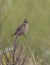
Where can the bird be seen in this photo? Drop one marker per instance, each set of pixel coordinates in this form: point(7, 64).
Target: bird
point(22, 29)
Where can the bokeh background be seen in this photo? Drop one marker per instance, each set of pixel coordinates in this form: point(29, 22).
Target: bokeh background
point(37, 12)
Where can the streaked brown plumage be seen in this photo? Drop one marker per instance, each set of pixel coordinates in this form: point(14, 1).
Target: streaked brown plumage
point(23, 28)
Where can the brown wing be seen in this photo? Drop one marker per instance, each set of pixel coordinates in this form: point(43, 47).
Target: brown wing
point(19, 30)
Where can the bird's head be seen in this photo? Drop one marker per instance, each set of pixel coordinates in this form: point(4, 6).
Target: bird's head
point(25, 21)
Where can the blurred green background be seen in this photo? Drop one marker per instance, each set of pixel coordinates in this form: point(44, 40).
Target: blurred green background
point(37, 12)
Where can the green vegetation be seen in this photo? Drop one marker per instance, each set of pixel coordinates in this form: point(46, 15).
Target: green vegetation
point(37, 12)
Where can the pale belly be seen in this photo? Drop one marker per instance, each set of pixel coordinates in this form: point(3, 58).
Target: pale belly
point(26, 28)
point(23, 29)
